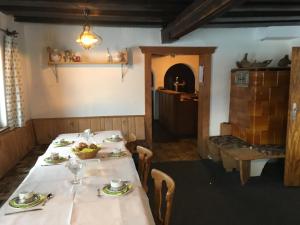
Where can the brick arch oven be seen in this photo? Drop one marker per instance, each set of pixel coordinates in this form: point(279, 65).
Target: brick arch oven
point(181, 78)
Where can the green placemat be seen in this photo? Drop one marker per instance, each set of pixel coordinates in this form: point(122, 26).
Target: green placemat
point(53, 161)
point(62, 143)
point(117, 155)
point(38, 199)
point(113, 139)
point(127, 188)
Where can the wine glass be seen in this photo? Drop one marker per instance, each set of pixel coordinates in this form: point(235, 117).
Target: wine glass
point(86, 134)
point(75, 165)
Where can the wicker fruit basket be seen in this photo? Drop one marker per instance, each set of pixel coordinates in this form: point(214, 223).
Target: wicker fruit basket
point(85, 151)
point(87, 155)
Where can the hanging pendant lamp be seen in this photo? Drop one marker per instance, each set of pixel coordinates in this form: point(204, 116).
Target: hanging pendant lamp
point(87, 39)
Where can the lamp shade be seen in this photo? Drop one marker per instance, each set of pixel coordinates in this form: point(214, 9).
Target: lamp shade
point(87, 38)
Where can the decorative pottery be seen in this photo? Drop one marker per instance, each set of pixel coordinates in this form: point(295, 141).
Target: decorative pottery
point(54, 55)
point(261, 64)
point(68, 56)
point(245, 63)
point(284, 62)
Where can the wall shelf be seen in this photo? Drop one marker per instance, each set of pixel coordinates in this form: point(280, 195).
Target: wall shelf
point(122, 61)
point(87, 63)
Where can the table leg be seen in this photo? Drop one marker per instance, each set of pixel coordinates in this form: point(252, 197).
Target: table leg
point(244, 171)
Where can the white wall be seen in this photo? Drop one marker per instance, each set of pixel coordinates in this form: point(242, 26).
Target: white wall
point(231, 45)
point(90, 90)
point(86, 90)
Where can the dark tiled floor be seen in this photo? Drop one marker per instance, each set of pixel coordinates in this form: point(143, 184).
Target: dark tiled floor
point(180, 150)
point(167, 147)
point(14, 177)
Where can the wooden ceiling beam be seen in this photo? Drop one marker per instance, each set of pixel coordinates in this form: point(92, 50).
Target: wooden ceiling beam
point(80, 10)
point(108, 18)
point(118, 6)
point(260, 14)
point(267, 7)
point(76, 21)
point(36, 11)
point(240, 24)
point(195, 15)
point(260, 19)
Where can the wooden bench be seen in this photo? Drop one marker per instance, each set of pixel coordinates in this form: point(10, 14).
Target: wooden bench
point(244, 156)
point(216, 143)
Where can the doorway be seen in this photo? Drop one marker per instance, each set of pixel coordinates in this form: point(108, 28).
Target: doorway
point(204, 55)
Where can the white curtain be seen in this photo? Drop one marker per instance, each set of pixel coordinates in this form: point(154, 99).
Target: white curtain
point(13, 84)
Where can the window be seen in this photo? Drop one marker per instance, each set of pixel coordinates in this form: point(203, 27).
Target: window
point(3, 119)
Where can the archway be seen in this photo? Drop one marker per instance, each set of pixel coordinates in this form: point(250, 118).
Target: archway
point(183, 75)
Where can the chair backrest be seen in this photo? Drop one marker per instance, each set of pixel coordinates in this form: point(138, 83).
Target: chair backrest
point(162, 218)
point(131, 143)
point(131, 137)
point(145, 157)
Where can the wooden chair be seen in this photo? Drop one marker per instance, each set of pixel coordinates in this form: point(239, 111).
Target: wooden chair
point(131, 143)
point(160, 217)
point(131, 137)
point(145, 157)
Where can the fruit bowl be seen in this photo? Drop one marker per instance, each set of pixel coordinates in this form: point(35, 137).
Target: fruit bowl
point(85, 151)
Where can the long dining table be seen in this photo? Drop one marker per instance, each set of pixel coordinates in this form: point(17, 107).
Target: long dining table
point(80, 204)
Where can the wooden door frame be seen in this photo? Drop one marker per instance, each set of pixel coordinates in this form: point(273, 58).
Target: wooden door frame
point(205, 58)
point(292, 152)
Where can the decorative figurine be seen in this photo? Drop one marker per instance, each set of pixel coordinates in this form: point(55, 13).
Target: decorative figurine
point(54, 55)
point(68, 56)
point(284, 62)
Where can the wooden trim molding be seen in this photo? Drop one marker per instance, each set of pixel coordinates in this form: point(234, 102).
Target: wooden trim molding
point(156, 50)
point(148, 98)
point(292, 155)
point(204, 106)
point(48, 129)
point(205, 59)
point(4, 129)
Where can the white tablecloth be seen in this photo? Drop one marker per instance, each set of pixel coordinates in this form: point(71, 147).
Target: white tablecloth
point(79, 204)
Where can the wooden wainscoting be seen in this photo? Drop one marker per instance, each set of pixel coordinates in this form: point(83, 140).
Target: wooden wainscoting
point(48, 129)
point(14, 145)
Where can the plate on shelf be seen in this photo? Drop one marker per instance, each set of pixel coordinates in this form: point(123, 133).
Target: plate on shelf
point(127, 187)
point(37, 199)
point(55, 161)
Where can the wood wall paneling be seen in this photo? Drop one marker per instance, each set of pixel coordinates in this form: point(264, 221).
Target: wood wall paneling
point(292, 160)
point(48, 129)
point(178, 116)
point(14, 145)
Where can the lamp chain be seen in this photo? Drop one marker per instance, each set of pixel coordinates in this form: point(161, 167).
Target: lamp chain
point(86, 14)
